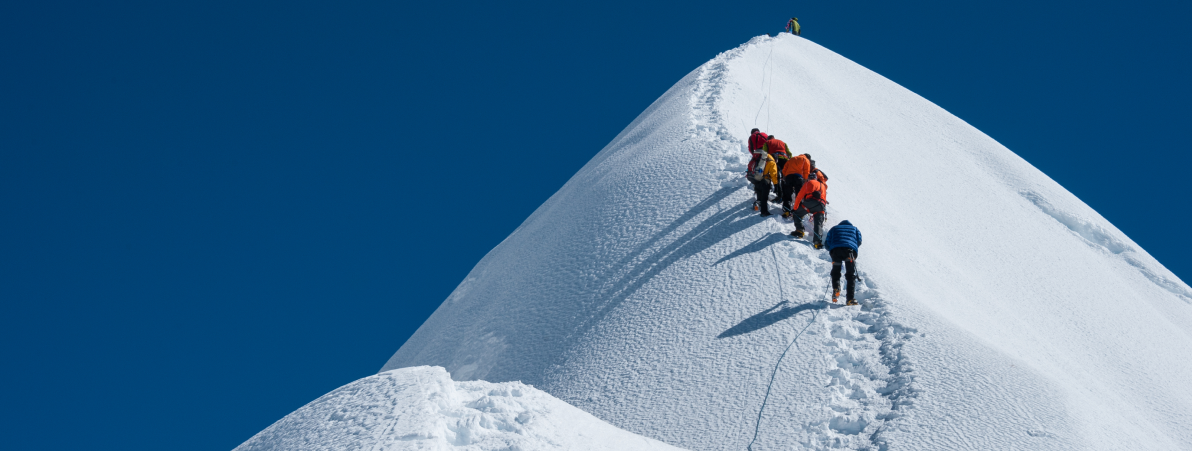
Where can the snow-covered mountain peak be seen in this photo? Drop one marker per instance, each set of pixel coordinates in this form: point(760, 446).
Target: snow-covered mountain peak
point(998, 310)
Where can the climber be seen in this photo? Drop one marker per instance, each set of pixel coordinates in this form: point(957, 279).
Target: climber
point(777, 150)
point(843, 243)
point(762, 179)
point(811, 200)
point(757, 140)
point(793, 26)
point(819, 175)
point(793, 175)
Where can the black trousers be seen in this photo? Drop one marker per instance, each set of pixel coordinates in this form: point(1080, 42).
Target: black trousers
point(791, 184)
point(779, 163)
point(847, 257)
point(817, 222)
point(762, 189)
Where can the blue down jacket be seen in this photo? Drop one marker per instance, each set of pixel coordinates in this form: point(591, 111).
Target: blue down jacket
point(843, 235)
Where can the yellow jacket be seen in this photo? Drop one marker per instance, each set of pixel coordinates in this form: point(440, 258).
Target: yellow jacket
point(771, 171)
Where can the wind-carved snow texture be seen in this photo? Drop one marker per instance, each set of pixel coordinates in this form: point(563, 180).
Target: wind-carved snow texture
point(421, 408)
point(1099, 237)
point(998, 311)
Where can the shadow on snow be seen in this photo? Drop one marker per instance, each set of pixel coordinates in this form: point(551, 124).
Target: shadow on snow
point(615, 289)
point(770, 316)
point(756, 245)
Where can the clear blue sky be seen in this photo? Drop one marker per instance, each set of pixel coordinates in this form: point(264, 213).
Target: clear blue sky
point(212, 213)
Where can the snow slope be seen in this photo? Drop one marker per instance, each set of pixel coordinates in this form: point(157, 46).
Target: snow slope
point(421, 408)
point(1000, 312)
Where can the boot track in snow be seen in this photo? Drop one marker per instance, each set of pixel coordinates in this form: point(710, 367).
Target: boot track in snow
point(871, 381)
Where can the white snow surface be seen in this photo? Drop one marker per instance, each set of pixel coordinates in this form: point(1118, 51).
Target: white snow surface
point(998, 310)
point(421, 408)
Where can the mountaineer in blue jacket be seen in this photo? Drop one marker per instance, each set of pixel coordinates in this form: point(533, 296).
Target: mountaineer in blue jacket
point(843, 243)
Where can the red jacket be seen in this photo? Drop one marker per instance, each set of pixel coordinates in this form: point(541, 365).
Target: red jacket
point(756, 141)
point(809, 187)
point(775, 146)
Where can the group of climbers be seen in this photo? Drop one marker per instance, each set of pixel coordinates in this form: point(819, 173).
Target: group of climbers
point(787, 175)
point(802, 189)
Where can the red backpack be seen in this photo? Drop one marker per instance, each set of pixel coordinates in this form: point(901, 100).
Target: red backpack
point(757, 140)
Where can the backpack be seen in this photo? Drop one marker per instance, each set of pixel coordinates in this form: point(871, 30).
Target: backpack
point(759, 171)
point(754, 143)
point(814, 202)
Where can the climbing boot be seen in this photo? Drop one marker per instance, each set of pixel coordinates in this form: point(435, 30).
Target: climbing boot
point(851, 302)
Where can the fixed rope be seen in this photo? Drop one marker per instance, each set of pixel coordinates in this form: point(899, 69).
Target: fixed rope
point(769, 90)
point(758, 426)
point(767, 97)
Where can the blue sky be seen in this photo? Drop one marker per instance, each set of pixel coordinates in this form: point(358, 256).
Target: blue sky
point(213, 213)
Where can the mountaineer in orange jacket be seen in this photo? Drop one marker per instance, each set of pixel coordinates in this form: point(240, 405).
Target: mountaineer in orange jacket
point(821, 177)
point(811, 199)
point(793, 175)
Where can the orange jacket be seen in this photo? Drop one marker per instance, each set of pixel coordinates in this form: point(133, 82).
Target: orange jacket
point(823, 179)
point(819, 175)
point(809, 187)
point(774, 146)
point(797, 165)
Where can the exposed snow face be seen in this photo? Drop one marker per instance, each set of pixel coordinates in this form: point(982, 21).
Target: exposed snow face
point(421, 408)
point(999, 311)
